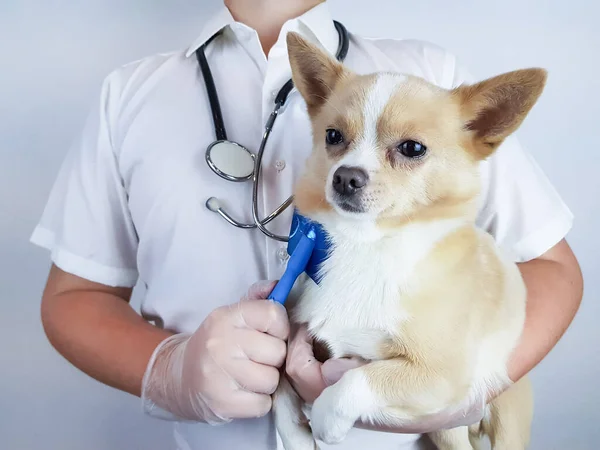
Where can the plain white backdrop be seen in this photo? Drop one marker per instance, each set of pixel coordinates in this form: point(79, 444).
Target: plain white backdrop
point(53, 57)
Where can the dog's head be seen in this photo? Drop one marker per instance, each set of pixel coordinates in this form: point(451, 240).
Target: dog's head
point(392, 149)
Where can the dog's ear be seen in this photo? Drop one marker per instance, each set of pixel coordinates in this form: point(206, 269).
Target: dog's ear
point(314, 72)
point(494, 108)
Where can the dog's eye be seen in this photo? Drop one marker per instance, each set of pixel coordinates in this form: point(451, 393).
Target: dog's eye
point(412, 149)
point(333, 137)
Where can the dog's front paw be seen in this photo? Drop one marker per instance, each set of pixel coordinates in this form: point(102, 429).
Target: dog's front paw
point(328, 420)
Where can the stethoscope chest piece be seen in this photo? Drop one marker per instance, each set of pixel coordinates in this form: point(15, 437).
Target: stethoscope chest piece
point(230, 160)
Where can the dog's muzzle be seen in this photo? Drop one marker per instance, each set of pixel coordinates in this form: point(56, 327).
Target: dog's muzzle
point(348, 184)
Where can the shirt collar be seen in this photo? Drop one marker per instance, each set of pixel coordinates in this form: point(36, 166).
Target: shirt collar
point(316, 24)
point(216, 23)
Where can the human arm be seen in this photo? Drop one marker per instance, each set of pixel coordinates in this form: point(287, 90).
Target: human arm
point(95, 328)
point(554, 292)
point(225, 370)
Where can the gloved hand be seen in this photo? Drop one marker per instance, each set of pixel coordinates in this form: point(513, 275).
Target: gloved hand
point(227, 369)
point(307, 375)
point(309, 378)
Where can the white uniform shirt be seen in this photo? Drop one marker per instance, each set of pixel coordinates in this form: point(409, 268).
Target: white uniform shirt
point(128, 205)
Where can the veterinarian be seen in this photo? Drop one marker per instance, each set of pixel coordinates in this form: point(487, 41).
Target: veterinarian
point(129, 208)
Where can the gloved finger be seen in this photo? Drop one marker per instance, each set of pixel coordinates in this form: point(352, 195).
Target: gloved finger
point(261, 315)
point(300, 344)
point(238, 388)
point(470, 413)
point(253, 377)
point(307, 380)
point(233, 370)
point(333, 369)
point(261, 348)
point(259, 290)
point(245, 405)
point(302, 368)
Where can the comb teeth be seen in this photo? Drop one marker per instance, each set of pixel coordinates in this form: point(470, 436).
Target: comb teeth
point(303, 226)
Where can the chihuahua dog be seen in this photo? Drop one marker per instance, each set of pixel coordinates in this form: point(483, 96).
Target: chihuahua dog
point(411, 285)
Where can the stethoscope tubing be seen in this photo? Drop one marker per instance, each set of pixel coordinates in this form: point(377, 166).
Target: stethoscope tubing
point(257, 168)
point(213, 97)
point(221, 136)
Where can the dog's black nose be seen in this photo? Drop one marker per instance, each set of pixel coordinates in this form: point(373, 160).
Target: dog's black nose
point(349, 180)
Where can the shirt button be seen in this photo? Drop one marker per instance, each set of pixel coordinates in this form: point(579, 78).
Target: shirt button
point(280, 165)
point(282, 254)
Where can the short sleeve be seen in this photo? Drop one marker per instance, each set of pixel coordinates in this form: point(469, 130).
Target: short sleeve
point(86, 223)
point(520, 207)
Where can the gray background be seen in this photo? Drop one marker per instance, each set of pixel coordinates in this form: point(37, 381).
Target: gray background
point(54, 55)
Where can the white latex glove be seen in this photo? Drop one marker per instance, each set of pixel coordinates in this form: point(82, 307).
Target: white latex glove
point(227, 369)
point(309, 378)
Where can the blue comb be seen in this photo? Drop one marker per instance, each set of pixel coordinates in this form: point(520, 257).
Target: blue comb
point(308, 248)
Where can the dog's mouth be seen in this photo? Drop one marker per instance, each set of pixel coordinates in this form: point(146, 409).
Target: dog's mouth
point(350, 205)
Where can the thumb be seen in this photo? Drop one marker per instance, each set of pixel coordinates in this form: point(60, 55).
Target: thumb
point(333, 369)
point(259, 290)
point(471, 413)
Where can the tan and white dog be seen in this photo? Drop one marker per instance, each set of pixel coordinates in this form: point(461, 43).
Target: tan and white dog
point(412, 285)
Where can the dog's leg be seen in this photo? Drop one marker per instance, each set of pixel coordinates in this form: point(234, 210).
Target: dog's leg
point(452, 439)
point(509, 417)
point(290, 421)
point(389, 392)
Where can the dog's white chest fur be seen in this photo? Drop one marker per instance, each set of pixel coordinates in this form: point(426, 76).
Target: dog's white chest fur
point(358, 303)
point(356, 306)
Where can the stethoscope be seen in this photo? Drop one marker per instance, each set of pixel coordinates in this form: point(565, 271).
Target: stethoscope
point(234, 162)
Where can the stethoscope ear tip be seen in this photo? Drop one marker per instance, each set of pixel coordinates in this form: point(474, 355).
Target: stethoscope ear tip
point(213, 204)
